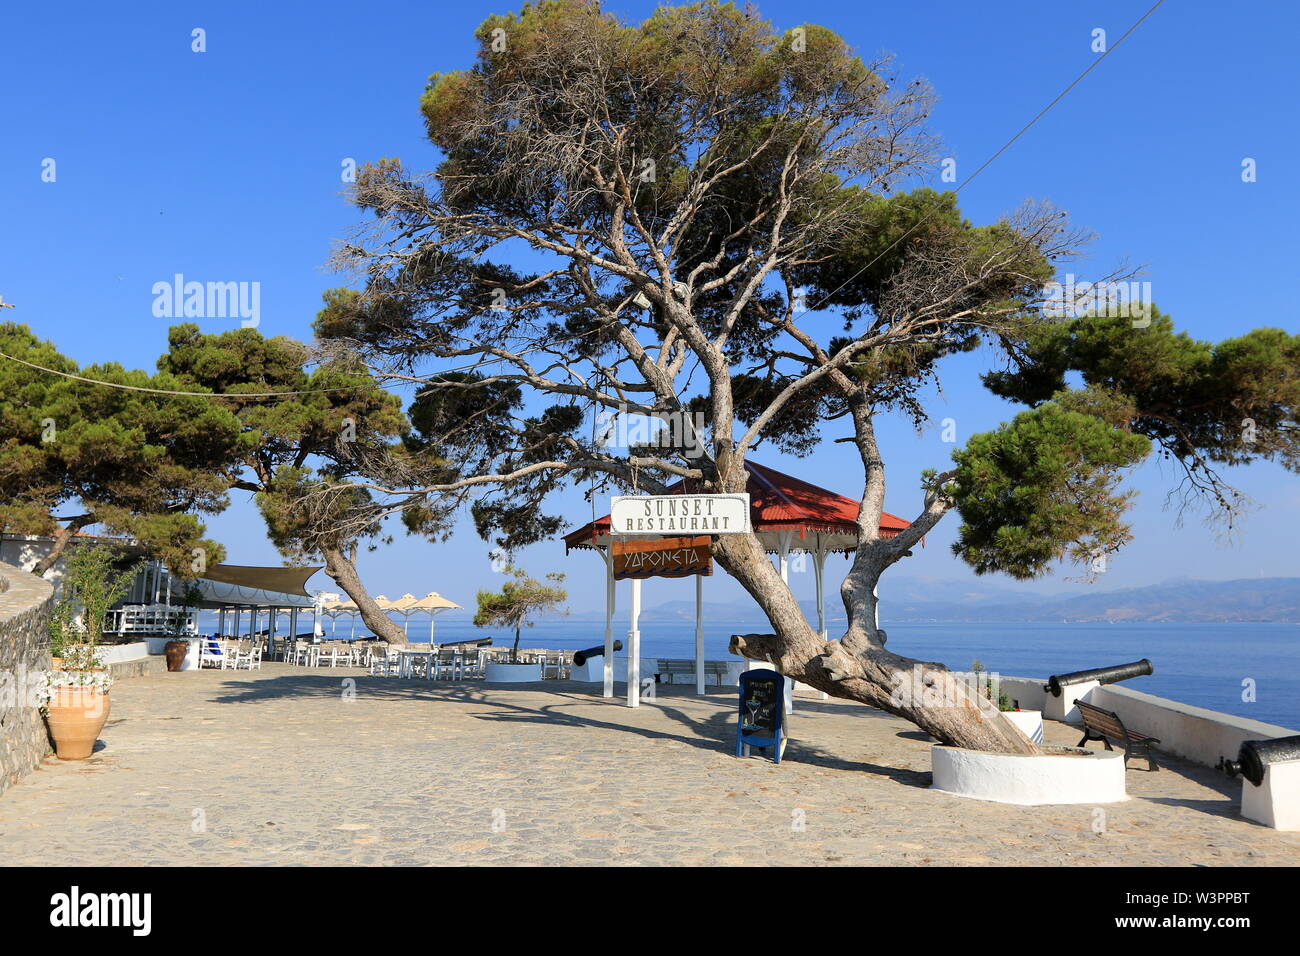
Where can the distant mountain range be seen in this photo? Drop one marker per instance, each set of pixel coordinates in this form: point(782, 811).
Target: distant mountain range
point(912, 600)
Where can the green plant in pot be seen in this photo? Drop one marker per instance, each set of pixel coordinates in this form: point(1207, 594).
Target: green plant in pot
point(74, 697)
point(177, 646)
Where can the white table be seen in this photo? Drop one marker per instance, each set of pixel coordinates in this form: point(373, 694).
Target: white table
point(408, 655)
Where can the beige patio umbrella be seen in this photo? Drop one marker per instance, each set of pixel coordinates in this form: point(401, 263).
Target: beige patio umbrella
point(432, 604)
point(334, 608)
point(403, 606)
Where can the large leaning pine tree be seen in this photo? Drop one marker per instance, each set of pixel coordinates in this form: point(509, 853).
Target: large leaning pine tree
point(699, 214)
point(311, 438)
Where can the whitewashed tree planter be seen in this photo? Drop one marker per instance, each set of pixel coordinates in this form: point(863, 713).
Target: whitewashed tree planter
point(1060, 775)
point(498, 673)
point(1030, 723)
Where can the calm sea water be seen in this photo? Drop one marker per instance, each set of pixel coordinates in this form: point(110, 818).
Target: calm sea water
point(1200, 664)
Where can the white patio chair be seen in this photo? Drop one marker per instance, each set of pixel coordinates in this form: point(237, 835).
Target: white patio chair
point(423, 665)
point(211, 653)
point(384, 662)
point(246, 654)
point(554, 666)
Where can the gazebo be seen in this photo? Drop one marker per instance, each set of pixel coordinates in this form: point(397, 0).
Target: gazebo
point(786, 513)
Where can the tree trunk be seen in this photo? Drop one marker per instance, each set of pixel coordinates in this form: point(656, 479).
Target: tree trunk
point(62, 539)
point(857, 666)
point(344, 572)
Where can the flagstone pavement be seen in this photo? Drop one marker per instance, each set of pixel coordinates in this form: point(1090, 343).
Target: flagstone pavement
point(293, 766)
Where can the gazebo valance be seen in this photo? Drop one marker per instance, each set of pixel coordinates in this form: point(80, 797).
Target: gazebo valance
point(786, 513)
point(782, 508)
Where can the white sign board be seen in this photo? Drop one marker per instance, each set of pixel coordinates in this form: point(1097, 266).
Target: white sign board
point(679, 514)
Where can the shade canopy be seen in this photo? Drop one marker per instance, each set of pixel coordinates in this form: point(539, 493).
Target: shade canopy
point(246, 586)
point(284, 580)
point(781, 508)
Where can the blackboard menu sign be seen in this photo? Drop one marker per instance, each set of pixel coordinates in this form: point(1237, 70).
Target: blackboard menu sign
point(762, 700)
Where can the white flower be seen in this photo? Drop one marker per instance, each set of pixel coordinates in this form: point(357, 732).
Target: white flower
point(82, 657)
point(47, 683)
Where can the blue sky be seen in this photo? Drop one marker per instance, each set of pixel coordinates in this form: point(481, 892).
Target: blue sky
point(225, 166)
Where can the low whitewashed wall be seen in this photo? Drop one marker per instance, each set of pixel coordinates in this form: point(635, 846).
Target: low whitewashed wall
point(1052, 778)
point(1195, 733)
point(1027, 690)
point(593, 671)
point(113, 653)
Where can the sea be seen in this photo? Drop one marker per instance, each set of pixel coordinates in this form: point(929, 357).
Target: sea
point(1246, 669)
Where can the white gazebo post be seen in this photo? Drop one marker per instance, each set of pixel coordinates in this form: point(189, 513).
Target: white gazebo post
point(819, 571)
point(783, 554)
point(634, 649)
point(221, 622)
point(607, 553)
point(699, 634)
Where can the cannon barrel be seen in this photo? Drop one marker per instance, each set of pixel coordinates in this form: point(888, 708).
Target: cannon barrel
point(475, 641)
point(1255, 756)
point(581, 657)
point(1104, 675)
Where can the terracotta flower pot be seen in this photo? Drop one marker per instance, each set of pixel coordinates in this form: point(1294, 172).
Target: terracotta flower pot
point(56, 663)
point(175, 652)
point(76, 715)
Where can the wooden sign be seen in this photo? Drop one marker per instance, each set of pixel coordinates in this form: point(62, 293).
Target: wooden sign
point(679, 514)
point(663, 558)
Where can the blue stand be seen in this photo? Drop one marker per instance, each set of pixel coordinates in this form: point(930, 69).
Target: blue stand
point(763, 723)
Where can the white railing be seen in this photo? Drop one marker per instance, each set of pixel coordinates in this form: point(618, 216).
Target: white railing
point(150, 619)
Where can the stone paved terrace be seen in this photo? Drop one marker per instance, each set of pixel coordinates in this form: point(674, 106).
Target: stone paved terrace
point(282, 770)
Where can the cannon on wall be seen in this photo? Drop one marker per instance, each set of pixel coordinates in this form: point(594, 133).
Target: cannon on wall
point(1271, 795)
point(1256, 756)
point(1102, 675)
point(581, 657)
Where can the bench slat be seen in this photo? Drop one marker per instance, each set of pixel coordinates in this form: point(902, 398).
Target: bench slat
point(1108, 723)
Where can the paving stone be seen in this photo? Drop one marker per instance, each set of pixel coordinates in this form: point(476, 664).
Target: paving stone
point(285, 772)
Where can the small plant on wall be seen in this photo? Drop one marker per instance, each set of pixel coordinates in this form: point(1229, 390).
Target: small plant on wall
point(94, 580)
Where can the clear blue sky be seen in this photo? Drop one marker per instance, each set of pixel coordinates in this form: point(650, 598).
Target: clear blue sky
point(225, 165)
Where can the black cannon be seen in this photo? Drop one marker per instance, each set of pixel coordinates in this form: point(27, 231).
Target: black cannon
point(1255, 756)
point(1104, 675)
point(472, 642)
point(581, 657)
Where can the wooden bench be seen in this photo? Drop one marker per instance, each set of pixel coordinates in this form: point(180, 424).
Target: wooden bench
point(1105, 725)
point(715, 672)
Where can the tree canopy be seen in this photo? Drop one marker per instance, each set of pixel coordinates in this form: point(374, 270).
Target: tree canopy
point(520, 598)
point(705, 220)
point(300, 448)
point(140, 465)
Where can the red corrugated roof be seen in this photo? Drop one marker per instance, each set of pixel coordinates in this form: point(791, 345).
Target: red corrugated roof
point(777, 501)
